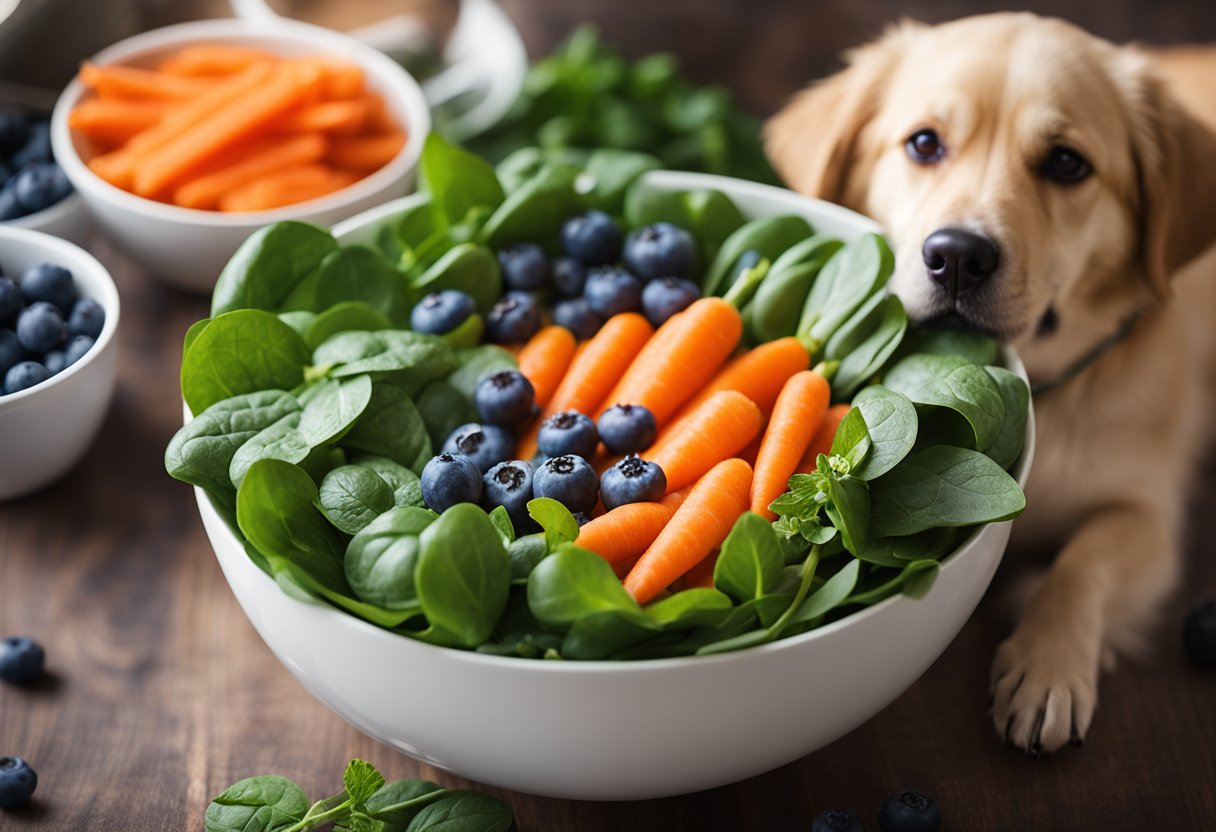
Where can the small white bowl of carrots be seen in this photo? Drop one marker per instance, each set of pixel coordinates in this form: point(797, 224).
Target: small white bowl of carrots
point(184, 140)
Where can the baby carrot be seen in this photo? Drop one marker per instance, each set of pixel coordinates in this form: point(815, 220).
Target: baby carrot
point(796, 416)
point(206, 59)
point(821, 443)
point(623, 534)
point(115, 119)
point(287, 187)
point(341, 80)
point(344, 117)
point(134, 82)
point(676, 364)
point(698, 527)
point(758, 374)
point(718, 429)
point(545, 359)
point(206, 191)
point(365, 153)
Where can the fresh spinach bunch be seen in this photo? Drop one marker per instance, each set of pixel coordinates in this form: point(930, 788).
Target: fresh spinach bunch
point(270, 803)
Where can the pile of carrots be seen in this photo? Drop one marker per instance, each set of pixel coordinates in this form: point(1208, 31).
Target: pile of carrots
point(227, 128)
point(732, 430)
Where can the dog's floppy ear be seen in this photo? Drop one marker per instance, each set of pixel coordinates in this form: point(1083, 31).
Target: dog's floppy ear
point(810, 142)
point(1176, 164)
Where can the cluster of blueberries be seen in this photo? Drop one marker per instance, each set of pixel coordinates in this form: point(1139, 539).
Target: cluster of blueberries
point(907, 811)
point(21, 663)
point(590, 286)
point(476, 464)
point(45, 327)
point(30, 181)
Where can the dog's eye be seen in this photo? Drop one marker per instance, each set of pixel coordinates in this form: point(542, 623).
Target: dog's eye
point(925, 147)
point(1065, 165)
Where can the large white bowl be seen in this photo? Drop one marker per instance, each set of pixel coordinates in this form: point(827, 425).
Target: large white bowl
point(619, 730)
point(46, 429)
point(188, 248)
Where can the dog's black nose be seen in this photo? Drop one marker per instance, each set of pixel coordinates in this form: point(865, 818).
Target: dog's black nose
point(959, 260)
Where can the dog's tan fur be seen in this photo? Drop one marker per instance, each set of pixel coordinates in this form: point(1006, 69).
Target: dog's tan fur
point(1119, 442)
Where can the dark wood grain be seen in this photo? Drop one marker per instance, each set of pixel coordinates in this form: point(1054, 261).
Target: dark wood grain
point(161, 693)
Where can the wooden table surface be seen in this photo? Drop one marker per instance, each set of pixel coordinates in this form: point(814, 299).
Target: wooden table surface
point(161, 694)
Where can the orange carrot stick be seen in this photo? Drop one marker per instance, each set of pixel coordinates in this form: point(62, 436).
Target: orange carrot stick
point(366, 153)
point(796, 416)
point(287, 187)
point(623, 534)
point(545, 359)
point(115, 119)
point(206, 191)
point(701, 576)
point(821, 443)
point(758, 374)
point(675, 365)
point(698, 527)
point(341, 80)
point(718, 429)
point(206, 59)
point(134, 82)
point(343, 117)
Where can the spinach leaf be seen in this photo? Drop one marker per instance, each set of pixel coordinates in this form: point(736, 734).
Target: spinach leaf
point(457, 180)
point(333, 409)
point(353, 496)
point(525, 553)
point(462, 577)
point(536, 210)
point(469, 268)
point(241, 352)
point(443, 409)
point(276, 510)
point(1007, 446)
point(829, 596)
point(269, 265)
point(461, 811)
point(709, 215)
point(348, 316)
point(361, 781)
point(949, 381)
point(852, 440)
point(609, 173)
point(866, 357)
point(573, 583)
point(396, 804)
point(381, 559)
point(975, 347)
point(358, 273)
point(849, 510)
point(502, 522)
point(202, 450)
point(281, 441)
point(476, 362)
point(299, 320)
point(775, 310)
point(915, 579)
point(942, 486)
point(750, 561)
point(407, 488)
point(266, 803)
point(598, 635)
point(767, 236)
point(890, 420)
point(852, 275)
point(391, 427)
point(696, 607)
point(194, 330)
point(407, 358)
point(556, 520)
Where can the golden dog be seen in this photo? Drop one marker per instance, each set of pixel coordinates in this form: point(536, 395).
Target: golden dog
point(1048, 187)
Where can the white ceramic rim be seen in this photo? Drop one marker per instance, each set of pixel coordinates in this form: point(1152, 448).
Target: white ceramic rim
point(107, 297)
point(400, 82)
point(678, 180)
point(47, 217)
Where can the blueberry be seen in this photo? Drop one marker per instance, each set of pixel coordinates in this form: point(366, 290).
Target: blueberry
point(632, 480)
point(592, 237)
point(76, 349)
point(87, 318)
point(449, 479)
point(569, 277)
point(50, 283)
point(21, 660)
point(909, 812)
point(660, 250)
point(524, 267)
point(568, 479)
point(576, 316)
point(441, 312)
point(582, 518)
point(40, 327)
point(665, 297)
point(611, 291)
point(11, 301)
point(14, 127)
point(504, 398)
point(484, 445)
point(1199, 635)
point(55, 361)
point(40, 186)
point(11, 351)
point(568, 432)
point(10, 208)
point(514, 319)
point(17, 782)
point(509, 484)
point(37, 147)
point(837, 820)
point(627, 428)
point(23, 376)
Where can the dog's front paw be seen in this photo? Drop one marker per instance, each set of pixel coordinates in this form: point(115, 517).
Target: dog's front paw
point(1044, 691)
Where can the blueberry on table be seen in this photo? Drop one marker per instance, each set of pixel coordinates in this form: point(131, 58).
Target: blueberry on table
point(37, 147)
point(509, 484)
point(568, 479)
point(76, 349)
point(21, 660)
point(660, 250)
point(665, 297)
point(40, 327)
point(504, 398)
point(568, 432)
point(11, 301)
point(40, 186)
point(50, 283)
point(627, 428)
point(909, 812)
point(576, 316)
point(11, 351)
point(23, 376)
point(514, 319)
point(87, 318)
point(611, 291)
point(17, 782)
point(1199, 636)
point(837, 820)
point(449, 479)
point(524, 267)
point(441, 312)
point(593, 238)
point(569, 277)
point(632, 480)
point(14, 127)
point(484, 445)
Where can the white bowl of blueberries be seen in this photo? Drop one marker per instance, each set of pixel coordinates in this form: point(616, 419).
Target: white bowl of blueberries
point(58, 356)
point(34, 192)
